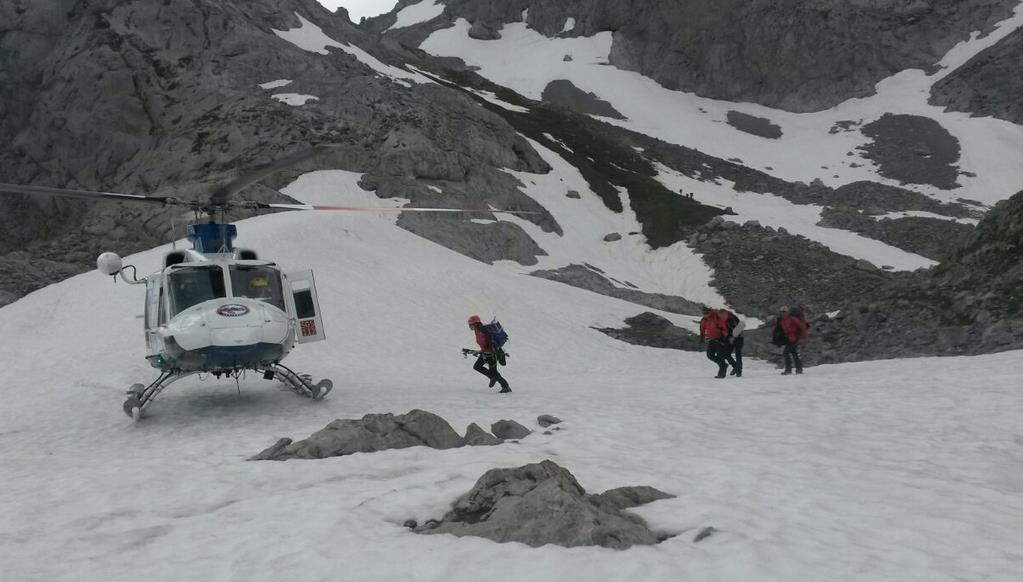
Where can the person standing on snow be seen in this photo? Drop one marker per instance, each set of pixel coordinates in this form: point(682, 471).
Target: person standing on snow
point(735, 339)
point(790, 330)
point(486, 362)
point(714, 330)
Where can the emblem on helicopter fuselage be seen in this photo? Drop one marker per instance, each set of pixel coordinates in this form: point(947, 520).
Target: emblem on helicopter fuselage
point(232, 310)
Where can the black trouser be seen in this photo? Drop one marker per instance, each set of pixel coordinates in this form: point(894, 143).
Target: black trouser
point(486, 364)
point(735, 351)
point(717, 352)
point(791, 354)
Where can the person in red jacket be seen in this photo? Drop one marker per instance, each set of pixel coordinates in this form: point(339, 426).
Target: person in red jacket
point(714, 330)
point(792, 330)
point(486, 362)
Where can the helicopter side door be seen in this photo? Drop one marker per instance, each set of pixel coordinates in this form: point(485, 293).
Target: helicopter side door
point(302, 288)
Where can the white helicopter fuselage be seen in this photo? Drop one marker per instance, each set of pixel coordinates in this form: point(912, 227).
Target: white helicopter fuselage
point(219, 314)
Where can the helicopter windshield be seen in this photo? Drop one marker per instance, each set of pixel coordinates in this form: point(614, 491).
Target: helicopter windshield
point(258, 282)
point(192, 285)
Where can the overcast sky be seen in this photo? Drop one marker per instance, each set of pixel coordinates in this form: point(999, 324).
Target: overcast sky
point(359, 8)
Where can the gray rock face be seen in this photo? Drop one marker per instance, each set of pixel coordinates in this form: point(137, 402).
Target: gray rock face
point(21, 274)
point(754, 125)
point(913, 150)
point(542, 504)
point(138, 97)
point(933, 238)
point(989, 84)
point(758, 50)
point(373, 432)
point(476, 437)
point(652, 330)
point(585, 277)
point(563, 93)
point(758, 268)
point(509, 430)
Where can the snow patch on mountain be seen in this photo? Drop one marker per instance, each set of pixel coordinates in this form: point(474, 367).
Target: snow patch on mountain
point(673, 270)
point(417, 13)
point(294, 99)
point(311, 38)
point(812, 145)
point(275, 84)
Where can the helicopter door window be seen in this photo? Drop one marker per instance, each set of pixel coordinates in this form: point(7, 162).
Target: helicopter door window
point(262, 283)
point(194, 285)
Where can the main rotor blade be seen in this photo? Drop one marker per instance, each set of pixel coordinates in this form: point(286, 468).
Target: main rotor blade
point(88, 194)
point(221, 195)
point(385, 209)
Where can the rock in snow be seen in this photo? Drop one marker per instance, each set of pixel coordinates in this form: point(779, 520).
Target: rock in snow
point(373, 432)
point(541, 504)
point(509, 429)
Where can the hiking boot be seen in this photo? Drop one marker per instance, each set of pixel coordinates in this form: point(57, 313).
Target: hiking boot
point(721, 375)
point(492, 382)
point(786, 372)
point(738, 373)
point(735, 372)
point(504, 389)
point(799, 370)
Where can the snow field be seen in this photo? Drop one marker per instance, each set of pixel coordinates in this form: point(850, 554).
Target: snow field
point(898, 470)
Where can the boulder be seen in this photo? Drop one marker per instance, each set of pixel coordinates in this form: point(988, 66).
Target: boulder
point(509, 429)
point(541, 504)
point(371, 433)
point(476, 436)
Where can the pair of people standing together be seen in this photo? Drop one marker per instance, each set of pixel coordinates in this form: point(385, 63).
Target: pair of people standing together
point(722, 331)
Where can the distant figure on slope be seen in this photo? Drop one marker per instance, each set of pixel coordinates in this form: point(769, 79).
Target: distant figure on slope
point(714, 330)
point(488, 356)
point(788, 331)
point(735, 339)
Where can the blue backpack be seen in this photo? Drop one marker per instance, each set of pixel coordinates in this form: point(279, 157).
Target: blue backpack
point(496, 333)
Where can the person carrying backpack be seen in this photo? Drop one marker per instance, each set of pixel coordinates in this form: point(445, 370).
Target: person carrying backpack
point(735, 339)
point(788, 331)
point(714, 330)
point(490, 354)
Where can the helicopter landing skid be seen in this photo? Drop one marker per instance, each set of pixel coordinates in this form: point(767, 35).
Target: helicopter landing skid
point(301, 384)
point(139, 395)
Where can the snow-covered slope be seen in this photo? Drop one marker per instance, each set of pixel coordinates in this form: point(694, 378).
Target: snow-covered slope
point(900, 470)
point(810, 146)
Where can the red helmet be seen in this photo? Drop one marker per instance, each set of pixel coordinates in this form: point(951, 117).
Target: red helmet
point(474, 319)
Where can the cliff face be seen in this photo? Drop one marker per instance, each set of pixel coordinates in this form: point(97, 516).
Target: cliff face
point(989, 85)
point(799, 55)
point(164, 98)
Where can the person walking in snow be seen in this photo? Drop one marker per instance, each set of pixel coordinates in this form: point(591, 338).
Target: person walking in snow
point(487, 360)
point(788, 331)
point(735, 339)
point(714, 330)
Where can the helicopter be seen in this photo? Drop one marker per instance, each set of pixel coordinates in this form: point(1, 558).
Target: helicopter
point(216, 309)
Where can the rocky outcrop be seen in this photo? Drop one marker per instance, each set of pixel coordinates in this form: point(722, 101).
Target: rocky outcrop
point(477, 437)
point(933, 238)
point(652, 330)
point(751, 124)
point(563, 93)
point(591, 279)
point(913, 150)
point(542, 504)
point(758, 268)
point(509, 429)
point(795, 55)
point(371, 433)
point(987, 85)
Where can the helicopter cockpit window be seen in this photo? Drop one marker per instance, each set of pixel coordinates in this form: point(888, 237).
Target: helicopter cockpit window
point(254, 282)
point(193, 285)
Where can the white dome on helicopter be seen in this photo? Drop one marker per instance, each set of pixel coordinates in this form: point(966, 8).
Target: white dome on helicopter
point(109, 263)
